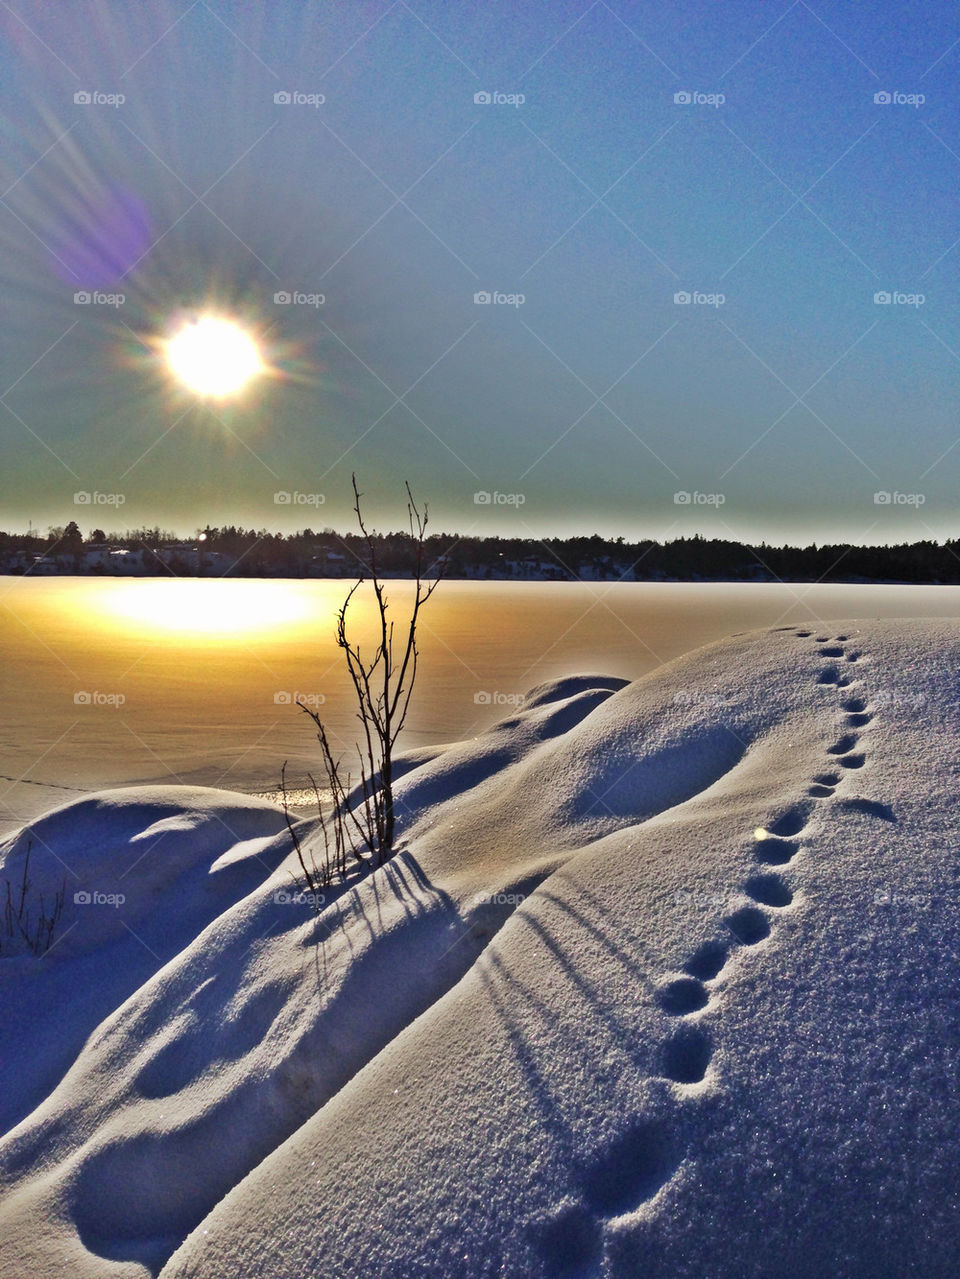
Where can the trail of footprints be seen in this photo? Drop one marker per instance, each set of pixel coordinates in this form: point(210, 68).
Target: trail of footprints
point(687, 1051)
point(634, 1169)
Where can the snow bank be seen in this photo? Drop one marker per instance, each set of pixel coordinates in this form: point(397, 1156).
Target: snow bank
point(142, 872)
point(660, 983)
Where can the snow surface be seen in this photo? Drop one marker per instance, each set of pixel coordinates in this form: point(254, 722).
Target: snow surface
point(663, 981)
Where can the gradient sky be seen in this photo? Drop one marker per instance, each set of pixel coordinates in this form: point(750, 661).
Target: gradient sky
point(798, 198)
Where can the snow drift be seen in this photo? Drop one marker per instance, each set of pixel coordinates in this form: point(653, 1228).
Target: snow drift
point(662, 981)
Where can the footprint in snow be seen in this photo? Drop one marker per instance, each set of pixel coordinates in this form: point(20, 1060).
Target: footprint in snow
point(770, 890)
point(749, 925)
point(706, 962)
point(830, 675)
point(792, 822)
point(776, 852)
point(618, 1179)
point(682, 996)
point(633, 1168)
point(570, 1243)
point(686, 1055)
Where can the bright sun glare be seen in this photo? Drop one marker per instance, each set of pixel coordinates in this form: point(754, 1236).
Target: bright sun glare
point(213, 356)
point(201, 608)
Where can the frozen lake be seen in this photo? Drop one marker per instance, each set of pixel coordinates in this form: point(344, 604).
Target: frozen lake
point(108, 682)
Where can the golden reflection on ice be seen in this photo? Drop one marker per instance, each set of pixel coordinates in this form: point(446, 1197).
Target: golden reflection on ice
point(199, 607)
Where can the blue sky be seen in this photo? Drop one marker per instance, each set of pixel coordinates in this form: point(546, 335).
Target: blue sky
point(776, 191)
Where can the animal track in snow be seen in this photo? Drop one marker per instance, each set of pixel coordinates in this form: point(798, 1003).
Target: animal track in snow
point(630, 1170)
point(688, 1049)
point(570, 1243)
point(830, 675)
point(682, 996)
point(636, 1165)
point(749, 925)
point(619, 1179)
point(791, 822)
point(871, 807)
point(776, 852)
point(707, 961)
point(770, 890)
point(853, 761)
point(686, 1055)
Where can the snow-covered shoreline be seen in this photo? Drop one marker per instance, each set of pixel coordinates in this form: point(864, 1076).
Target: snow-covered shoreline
point(661, 982)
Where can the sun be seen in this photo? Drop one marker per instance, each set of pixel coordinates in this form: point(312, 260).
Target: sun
point(214, 357)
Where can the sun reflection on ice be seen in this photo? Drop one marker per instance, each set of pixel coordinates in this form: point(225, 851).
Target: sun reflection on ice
point(203, 608)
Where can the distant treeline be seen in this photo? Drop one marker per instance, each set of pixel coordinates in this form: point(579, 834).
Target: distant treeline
point(239, 552)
